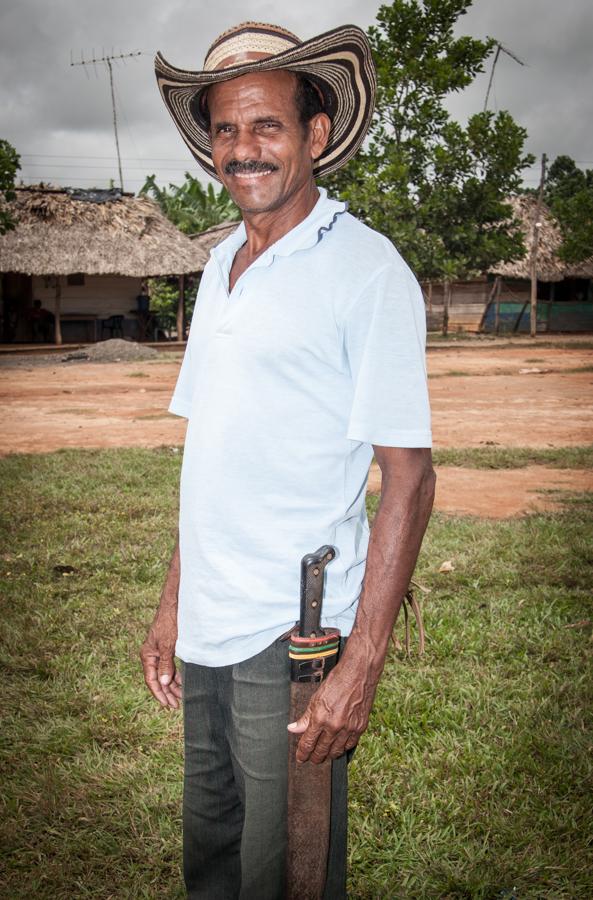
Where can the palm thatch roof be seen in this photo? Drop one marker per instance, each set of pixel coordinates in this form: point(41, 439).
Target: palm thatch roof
point(208, 239)
point(60, 231)
point(549, 266)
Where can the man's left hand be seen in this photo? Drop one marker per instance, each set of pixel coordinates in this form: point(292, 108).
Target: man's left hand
point(338, 713)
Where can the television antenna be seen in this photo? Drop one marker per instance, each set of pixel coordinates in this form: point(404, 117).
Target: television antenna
point(108, 59)
point(499, 49)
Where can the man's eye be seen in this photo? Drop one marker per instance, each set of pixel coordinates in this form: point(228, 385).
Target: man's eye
point(223, 129)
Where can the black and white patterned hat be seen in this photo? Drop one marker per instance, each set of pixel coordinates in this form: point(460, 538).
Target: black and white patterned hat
point(339, 63)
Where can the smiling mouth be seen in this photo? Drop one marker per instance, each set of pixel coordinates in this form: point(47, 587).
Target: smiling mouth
point(248, 175)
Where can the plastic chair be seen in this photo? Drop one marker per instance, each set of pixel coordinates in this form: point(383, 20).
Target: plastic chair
point(114, 325)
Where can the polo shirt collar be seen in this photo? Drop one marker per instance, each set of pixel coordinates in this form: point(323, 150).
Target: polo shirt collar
point(306, 234)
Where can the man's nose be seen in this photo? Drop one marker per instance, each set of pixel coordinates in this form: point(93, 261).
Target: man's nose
point(246, 145)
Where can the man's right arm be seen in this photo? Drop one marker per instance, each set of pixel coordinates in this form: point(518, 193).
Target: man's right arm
point(158, 650)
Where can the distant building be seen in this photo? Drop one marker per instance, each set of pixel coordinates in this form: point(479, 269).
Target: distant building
point(564, 290)
point(84, 257)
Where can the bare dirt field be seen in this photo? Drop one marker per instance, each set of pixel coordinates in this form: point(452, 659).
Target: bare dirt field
point(532, 396)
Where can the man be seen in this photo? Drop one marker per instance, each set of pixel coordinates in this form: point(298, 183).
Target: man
point(305, 357)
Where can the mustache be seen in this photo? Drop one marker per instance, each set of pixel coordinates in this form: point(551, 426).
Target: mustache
point(248, 167)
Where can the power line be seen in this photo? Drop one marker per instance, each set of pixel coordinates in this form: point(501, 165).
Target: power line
point(95, 167)
point(124, 158)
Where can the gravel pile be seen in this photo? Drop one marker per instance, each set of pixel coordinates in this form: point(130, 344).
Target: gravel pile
point(115, 350)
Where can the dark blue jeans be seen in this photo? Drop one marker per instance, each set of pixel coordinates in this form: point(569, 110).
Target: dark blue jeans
point(234, 803)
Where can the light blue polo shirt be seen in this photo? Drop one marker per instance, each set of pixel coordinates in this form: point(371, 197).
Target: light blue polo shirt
point(316, 354)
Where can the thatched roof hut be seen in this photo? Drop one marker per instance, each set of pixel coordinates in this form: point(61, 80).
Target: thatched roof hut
point(549, 266)
point(61, 230)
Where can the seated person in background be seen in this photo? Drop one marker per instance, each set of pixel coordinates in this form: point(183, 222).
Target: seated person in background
point(42, 322)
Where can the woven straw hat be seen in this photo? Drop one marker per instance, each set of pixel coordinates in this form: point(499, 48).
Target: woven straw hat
point(339, 63)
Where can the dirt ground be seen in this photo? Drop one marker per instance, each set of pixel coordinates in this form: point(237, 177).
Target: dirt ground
point(516, 397)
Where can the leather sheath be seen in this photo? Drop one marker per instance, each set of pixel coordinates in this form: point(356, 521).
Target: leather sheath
point(309, 784)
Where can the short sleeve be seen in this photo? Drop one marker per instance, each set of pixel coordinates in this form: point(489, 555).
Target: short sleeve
point(385, 337)
point(181, 401)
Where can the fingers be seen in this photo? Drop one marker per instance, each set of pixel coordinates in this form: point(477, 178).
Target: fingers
point(301, 724)
point(321, 736)
point(166, 676)
point(175, 688)
point(326, 745)
point(161, 679)
point(151, 678)
point(173, 698)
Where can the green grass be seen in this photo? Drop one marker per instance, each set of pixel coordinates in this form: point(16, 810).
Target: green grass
point(460, 373)
point(503, 341)
point(474, 778)
point(515, 457)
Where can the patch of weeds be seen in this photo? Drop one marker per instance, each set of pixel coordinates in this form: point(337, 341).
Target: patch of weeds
point(515, 457)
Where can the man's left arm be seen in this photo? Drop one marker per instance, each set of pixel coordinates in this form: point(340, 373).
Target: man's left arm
point(340, 709)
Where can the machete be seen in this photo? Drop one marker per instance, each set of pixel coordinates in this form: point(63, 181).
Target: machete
point(313, 652)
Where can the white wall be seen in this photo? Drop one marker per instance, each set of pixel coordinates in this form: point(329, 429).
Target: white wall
point(101, 295)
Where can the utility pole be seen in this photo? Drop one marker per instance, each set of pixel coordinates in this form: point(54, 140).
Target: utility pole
point(108, 60)
point(537, 224)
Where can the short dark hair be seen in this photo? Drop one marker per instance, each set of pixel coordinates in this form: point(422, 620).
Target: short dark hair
point(310, 101)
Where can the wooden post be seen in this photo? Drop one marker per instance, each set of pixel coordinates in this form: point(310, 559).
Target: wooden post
point(491, 297)
point(534, 248)
point(181, 309)
point(446, 303)
point(551, 304)
point(57, 311)
point(430, 297)
point(497, 307)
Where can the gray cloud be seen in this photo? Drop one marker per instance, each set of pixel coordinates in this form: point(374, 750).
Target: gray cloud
point(59, 117)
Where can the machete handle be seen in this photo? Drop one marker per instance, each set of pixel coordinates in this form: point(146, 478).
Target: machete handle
point(312, 569)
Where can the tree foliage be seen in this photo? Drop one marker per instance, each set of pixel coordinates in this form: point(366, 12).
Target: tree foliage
point(569, 195)
point(436, 188)
point(191, 206)
point(10, 163)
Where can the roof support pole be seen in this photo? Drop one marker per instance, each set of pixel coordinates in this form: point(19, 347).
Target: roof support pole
point(534, 249)
point(446, 305)
point(497, 307)
point(491, 298)
point(58, 310)
point(181, 309)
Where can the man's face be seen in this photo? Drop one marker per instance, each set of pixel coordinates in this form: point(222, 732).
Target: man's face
point(262, 153)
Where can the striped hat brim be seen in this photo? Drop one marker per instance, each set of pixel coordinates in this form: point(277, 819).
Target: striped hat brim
point(340, 60)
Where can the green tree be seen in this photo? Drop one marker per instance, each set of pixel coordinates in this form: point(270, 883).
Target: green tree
point(437, 189)
point(191, 206)
point(569, 195)
point(10, 163)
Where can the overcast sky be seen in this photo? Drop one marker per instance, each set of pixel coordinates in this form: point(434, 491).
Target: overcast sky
point(59, 117)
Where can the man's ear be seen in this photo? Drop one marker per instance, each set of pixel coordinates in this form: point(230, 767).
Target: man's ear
point(319, 128)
